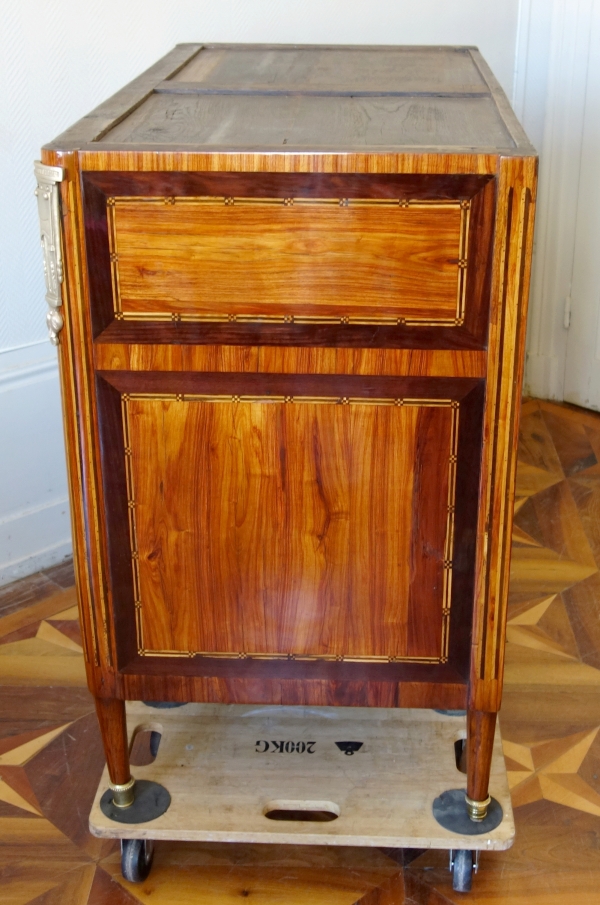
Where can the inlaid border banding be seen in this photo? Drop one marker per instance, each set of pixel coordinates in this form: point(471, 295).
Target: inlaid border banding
point(453, 404)
point(457, 320)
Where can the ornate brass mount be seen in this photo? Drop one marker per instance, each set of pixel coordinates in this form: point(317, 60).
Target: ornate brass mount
point(47, 194)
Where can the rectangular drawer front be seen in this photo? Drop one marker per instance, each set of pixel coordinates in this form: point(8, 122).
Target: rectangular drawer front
point(291, 260)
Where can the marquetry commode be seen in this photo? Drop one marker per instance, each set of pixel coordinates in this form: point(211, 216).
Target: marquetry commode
point(291, 332)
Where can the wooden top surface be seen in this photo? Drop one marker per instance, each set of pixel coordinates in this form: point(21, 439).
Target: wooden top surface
point(289, 98)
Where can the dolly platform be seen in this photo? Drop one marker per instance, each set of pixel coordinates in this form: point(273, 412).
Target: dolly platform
point(385, 778)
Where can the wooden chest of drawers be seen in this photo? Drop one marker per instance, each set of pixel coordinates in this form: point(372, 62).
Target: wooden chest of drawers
point(291, 335)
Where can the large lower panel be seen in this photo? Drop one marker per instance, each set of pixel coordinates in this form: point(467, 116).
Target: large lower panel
point(312, 520)
point(292, 527)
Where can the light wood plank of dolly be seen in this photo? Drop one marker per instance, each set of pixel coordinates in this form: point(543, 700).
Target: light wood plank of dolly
point(220, 785)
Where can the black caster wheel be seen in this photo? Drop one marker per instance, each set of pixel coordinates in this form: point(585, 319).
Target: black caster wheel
point(136, 859)
point(462, 866)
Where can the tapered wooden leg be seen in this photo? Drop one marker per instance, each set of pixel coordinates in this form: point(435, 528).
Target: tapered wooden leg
point(113, 728)
point(480, 742)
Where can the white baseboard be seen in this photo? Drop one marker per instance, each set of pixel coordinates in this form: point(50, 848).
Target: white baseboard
point(43, 559)
point(35, 529)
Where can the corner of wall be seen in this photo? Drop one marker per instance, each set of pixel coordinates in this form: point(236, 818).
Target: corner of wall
point(35, 529)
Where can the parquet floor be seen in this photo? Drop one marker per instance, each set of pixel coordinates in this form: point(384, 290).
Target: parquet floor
point(51, 758)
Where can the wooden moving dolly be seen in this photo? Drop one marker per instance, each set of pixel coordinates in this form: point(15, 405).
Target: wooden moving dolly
point(289, 286)
point(382, 777)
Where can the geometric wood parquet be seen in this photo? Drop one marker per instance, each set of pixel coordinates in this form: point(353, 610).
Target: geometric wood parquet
point(51, 758)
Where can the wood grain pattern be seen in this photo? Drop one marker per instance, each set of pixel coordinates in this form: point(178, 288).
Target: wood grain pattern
point(214, 871)
point(549, 724)
point(77, 408)
point(220, 781)
point(321, 123)
point(36, 587)
point(505, 376)
point(248, 687)
point(102, 117)
point(109, 159)
point(465, 329)
point(480, 742)
point(12, 622)
point(113, 728)
point(113, 356)
point(342, 70)
point(289, 259)
point(305, 691)
point(311, 336)
point(301, 529)
point(497, 176)
point(409, 71)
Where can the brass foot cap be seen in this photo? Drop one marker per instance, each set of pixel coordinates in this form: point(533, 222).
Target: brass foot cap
point(477, 810)
point(123, 794)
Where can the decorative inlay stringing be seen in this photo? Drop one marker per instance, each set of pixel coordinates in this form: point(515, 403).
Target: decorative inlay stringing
point(456, 320)
point(230, 399)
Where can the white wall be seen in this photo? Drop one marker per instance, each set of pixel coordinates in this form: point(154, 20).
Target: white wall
point(60, 58)
point(34, 508)
point(566, 26)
